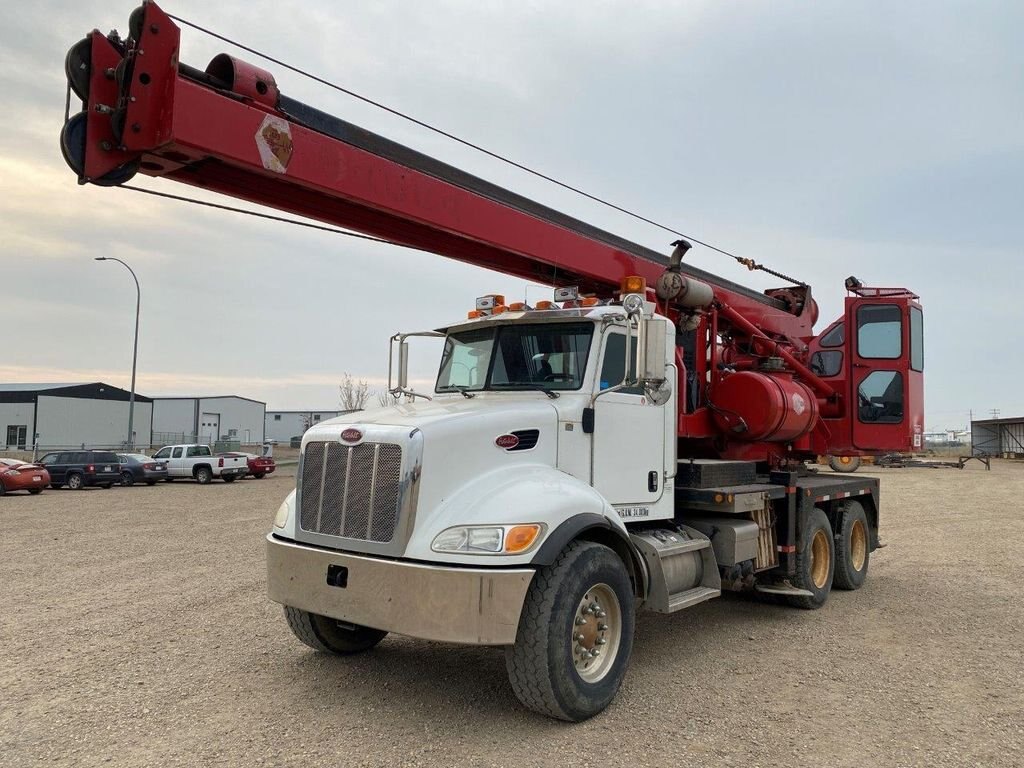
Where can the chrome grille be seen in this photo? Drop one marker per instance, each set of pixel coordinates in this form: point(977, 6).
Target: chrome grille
point(351, 491)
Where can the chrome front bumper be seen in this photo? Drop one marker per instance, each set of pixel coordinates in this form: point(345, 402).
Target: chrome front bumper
point(475, 606)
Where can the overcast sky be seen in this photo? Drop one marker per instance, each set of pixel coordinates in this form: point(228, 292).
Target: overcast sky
point(884, 140)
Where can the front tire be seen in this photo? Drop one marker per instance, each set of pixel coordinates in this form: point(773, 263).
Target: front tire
point(204, 475)
point(327, 636)
point(852, 546)
point(575, 634)
point(815, 562)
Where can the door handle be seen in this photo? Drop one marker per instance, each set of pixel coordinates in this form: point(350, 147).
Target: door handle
point(652, 481)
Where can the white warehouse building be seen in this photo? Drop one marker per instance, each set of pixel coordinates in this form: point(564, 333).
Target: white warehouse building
point(208, 419)
point(70, 416)
point(282, 426)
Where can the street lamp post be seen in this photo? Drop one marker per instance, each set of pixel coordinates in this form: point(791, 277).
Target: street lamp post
point(135, 348)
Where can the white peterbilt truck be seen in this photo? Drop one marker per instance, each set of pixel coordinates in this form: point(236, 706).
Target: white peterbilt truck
point(529, 502)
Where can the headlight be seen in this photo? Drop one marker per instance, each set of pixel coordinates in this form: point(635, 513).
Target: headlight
point(281, 518)
point(488, 539)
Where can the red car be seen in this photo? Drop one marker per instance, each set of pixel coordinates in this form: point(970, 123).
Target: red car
point(259, 466)
point(18, 475)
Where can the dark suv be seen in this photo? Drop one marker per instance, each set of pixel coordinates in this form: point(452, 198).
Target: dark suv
point(78, 469)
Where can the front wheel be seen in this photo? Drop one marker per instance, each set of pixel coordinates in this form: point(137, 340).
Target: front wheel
point(329, 636)
point(815, 561)
point(575, 634)
point(204, 475)
point(127, 479)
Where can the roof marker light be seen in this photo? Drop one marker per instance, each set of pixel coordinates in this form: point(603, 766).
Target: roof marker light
point(545, 305)
point(633, 284)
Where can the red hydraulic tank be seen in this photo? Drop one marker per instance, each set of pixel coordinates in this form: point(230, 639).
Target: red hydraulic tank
point(750, 405)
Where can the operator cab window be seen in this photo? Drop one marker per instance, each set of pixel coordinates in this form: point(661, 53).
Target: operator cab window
point(879, 331)
point(880, 398)
point(835, 337)
point(827, 362)
point(916, 339)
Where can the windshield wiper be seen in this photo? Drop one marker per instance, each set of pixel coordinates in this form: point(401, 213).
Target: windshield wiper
point(461, 390)
point(526, 385)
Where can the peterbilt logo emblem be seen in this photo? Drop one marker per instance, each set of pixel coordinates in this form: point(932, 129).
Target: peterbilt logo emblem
point(352, 435)
point(274, 142)
point(508, 442)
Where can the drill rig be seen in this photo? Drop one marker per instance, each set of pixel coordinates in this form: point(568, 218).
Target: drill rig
point(635, 442)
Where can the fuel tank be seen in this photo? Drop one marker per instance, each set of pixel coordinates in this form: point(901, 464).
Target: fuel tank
point(753, 405)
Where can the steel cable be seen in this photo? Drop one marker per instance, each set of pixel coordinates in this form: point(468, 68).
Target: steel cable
point(748, 263)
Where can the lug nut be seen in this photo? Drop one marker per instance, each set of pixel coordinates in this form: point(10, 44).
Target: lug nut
point(602, 627)
point(601, 614)
point(580, 637)
point(601, 641)
point(595, 653)
point(580, 621)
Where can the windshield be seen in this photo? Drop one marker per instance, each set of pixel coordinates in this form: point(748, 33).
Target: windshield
point(508, 357)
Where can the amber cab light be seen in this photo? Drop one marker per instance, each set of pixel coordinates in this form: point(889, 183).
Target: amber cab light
point(545, 305)
point(520, 538)
point(517, 306)
point(589, 301)
point(473, 314)
point(633, 284)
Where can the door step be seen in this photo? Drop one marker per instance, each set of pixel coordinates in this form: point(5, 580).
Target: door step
point(691, 597)
point(783, 589)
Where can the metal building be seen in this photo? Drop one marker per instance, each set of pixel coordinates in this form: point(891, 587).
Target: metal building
point(998, 437)
point(208, 419)
point(70, 415)
point(282, 426)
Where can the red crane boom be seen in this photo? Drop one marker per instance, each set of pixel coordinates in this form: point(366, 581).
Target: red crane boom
point(230, 130)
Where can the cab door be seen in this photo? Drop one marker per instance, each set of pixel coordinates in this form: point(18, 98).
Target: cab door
point(886, 381)
point(629, 434)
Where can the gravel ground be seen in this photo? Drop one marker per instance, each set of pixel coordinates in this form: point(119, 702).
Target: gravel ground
point(136, 632)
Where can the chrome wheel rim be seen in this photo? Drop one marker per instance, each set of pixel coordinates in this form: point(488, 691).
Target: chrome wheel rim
point(596, 633)
point(858, 545)
point(819, 559)
point(74, 482)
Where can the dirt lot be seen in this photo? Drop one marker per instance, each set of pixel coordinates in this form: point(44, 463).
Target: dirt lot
point(136, 632)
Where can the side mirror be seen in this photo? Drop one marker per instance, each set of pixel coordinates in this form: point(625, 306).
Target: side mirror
point(403, 365)
point(650, 357)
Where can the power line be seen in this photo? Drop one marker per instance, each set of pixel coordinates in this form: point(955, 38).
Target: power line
point(282, 219)
point(748, 263)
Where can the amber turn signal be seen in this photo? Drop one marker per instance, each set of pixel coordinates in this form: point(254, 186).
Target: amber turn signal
point(520, 538)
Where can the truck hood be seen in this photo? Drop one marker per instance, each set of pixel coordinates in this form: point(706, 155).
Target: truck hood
point(450, 411)
point(459, 449)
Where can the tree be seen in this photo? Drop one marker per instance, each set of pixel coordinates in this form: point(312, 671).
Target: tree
point(386, 399)
point(353, 394)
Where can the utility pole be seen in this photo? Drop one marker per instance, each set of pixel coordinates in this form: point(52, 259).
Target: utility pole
point(135, 349)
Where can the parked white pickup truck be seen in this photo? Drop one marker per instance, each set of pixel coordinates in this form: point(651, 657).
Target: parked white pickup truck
point(198, 461)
